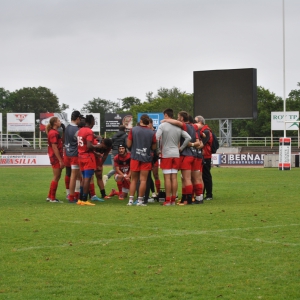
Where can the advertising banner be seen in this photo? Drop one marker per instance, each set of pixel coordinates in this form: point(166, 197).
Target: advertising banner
point(113, 121)
point(96, 127)
point(277, 120)
point(24, 160)
point(156, 117)
point(45, 118)
point(20, 122)
point(242, 159)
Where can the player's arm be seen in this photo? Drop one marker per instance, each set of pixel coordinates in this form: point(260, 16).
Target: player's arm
point(153, 147)
point(129, 139)
point(174, 122)
point(206, 138)
point(158, 135)
point(57, 154)
point(90, 145)
point(187, 139)
point(118, 171)
point(196, 144)
point(105, 155)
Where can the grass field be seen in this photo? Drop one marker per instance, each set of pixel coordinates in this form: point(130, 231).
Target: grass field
point(244, 244)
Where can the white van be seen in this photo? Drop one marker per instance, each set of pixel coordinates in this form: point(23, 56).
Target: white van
point(14, 140)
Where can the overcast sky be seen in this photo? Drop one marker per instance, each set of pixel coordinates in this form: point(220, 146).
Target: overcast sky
point(113, 49)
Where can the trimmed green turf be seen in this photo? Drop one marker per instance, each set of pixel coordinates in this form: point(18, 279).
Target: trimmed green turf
point(244, 244)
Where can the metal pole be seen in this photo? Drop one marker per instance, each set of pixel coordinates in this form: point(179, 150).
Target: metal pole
point(284, 100)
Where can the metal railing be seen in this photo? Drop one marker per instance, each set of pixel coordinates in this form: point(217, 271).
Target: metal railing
point(235, 142)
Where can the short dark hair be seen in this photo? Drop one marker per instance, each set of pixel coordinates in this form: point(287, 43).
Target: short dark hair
point(122, 127)
point(184, 115)
point(191, 119)
point(89, 119)
point(107, 142)
point(169, 112)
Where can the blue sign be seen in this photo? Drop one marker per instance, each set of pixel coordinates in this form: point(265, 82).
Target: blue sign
point(156, 117)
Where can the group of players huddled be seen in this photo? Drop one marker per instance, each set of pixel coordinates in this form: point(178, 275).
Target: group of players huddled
point(181, 145)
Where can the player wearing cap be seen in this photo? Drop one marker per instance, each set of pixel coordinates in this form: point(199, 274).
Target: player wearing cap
point(71, 155)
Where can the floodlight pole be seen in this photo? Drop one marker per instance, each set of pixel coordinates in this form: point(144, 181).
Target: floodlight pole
point(284, 99)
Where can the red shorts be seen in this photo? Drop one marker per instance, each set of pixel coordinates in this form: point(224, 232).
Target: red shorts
point(55, 165)
point(74, 161)
point(88, 163)
point(170, 163)
point(67, 161)
point(186, 162)
point(136, 165)
point(197, 164)
point(54, 162)
point(155, 164)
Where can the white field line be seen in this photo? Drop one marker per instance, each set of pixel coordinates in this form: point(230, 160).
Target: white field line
point(169, 233)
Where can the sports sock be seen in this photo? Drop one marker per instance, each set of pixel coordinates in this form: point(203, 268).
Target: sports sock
point(103, 193)
point(53, 188)
point(131, 198)
point(157, 185)
point(67, 184)
point(92, 189)
point(120, 184)
point(189, 189)
point(198, 189)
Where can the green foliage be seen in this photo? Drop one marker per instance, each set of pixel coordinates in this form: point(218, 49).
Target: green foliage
point(128, 102)
point(266, 103)
point(34, 100)
point(31, 100)
point(244, 244)
point(5, 100)
point(102, 106)
point(165, 98)
point(294, 99)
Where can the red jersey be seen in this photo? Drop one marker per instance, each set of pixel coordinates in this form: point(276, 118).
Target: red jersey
point(54, 138)
point(84, 135)
point(123, 162)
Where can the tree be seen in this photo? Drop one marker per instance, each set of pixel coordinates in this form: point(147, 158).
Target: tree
point(5, 106)
point(102, 106)
point(35, 100)
point(266, 103)
point(128, 102)
point(293, 100)
point(5, 101)
point(149, 96)
point(165, 98)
